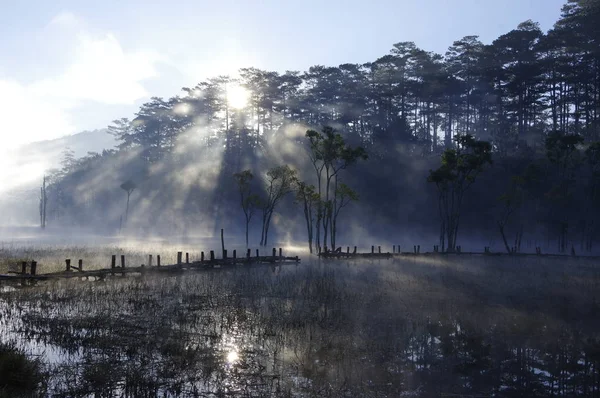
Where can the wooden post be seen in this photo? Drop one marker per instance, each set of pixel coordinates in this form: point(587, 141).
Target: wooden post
point(68, 264)
point(274, 253)
point(113, 261)
point(33, 267)
point(187, 258)
point(347, 249)
point(394, 249)
point(280, 252)
point(354, 252)
point(201, 256)
point(158, 260)
point(179, 258)
point(399, 249)
point(418, 248)
point(379, 249)
point(234, 255)
point(224, 254)
point(150, 260)
point(80, 265)
point(248, 252)
point(223, 244)
point(122, 261)
point(212, 255)
point(257, 256)
point(24, 267)
point(372, 249)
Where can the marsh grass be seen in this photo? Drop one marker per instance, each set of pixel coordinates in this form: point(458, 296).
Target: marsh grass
point(20, 375)
point(421, 327)
point(51, 258)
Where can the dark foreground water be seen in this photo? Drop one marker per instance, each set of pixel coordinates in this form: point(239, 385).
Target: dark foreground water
point(477, 326)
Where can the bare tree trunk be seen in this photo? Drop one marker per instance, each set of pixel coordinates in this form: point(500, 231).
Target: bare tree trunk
point(267, 227)
point(309, 226)
point(262, 233)
point(318, 235)
point(325, 226)
point(443, 235)
point(127, 207)
point(501, 227)
point(247, 225)
point(519, 239)
point(43, 203)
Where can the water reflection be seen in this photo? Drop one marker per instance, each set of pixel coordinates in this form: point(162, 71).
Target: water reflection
point(232, 357)
point(392, 328)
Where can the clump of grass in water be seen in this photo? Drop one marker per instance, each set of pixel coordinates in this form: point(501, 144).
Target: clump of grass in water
point(20, 376)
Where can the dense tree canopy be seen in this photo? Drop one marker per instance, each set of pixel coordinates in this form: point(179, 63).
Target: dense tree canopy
point(405, 108)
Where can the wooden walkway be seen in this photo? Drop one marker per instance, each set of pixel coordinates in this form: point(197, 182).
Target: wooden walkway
point(378, 254)
point(212, 263)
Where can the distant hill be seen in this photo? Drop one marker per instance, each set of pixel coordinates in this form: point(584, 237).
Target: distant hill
point(80, 144)
point(25, 167)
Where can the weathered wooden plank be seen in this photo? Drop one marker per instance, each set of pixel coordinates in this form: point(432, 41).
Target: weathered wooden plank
point(196, 265)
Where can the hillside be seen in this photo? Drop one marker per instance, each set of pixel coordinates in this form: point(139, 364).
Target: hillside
point(25, 167)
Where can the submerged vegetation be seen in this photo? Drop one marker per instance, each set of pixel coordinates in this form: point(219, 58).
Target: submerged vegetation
point(420, 327)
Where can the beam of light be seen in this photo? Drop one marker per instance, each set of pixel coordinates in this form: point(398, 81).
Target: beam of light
point(237, 96)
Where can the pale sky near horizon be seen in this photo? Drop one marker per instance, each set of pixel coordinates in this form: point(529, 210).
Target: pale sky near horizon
point(69, 65)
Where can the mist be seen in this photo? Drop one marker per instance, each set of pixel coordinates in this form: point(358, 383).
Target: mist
point(407, 110)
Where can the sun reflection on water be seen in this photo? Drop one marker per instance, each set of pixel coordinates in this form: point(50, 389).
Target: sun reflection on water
point(232, 357)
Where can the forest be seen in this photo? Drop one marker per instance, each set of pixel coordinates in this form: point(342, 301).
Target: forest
point(498, 142)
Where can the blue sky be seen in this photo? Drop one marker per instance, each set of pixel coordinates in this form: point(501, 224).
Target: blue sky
point(72, 65)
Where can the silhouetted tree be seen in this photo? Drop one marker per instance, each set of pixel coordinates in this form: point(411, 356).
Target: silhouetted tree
point(458, 171)
point(307, 196)
point(344, 195)
point(249, 201)
point(562, 152)
point(128, 186)
point(402, 106)
point(279, 182)
point(329, 154)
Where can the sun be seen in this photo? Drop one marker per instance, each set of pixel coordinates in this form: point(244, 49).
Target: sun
point(237, 96)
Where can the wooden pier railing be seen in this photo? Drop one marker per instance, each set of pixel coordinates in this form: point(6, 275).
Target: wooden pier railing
point(376, 253)
point(276, 258)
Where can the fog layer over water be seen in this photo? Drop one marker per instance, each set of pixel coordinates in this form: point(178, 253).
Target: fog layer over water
point(418, 327)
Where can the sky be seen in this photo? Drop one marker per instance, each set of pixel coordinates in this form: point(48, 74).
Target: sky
point(73, 65)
